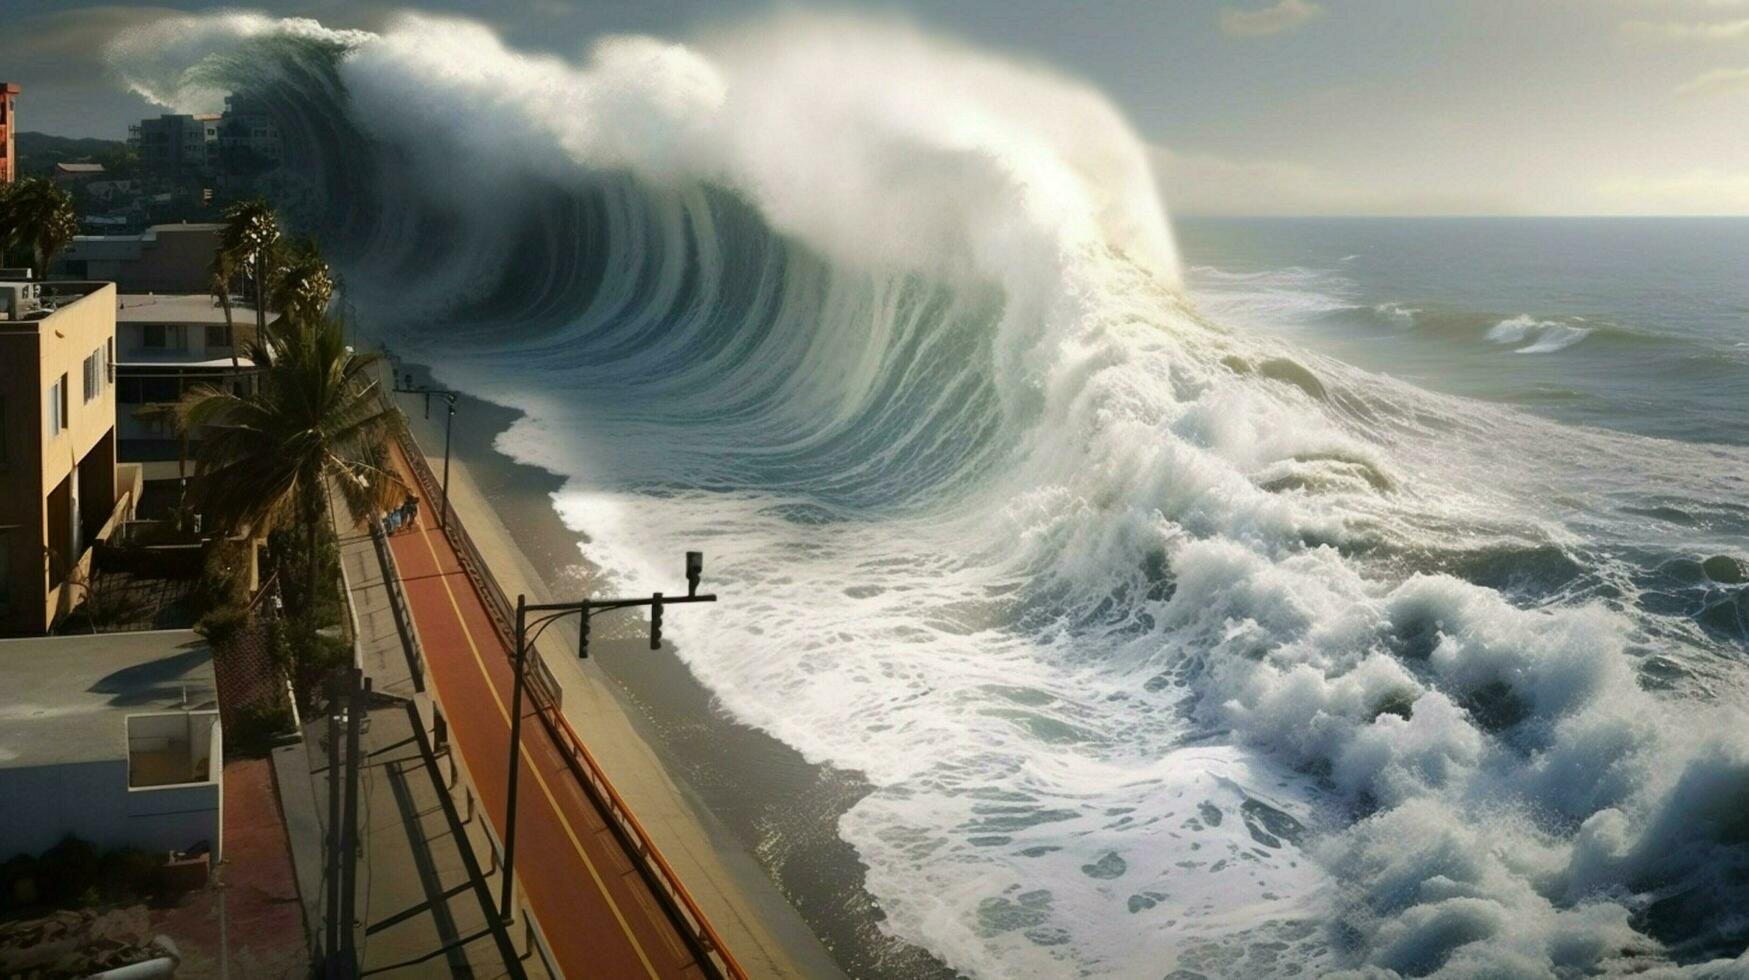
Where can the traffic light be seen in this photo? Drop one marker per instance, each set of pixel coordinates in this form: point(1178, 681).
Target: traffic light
point(583, 637)
point(656, 622)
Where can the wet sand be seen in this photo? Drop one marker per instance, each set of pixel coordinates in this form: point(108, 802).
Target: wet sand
point(749, 825)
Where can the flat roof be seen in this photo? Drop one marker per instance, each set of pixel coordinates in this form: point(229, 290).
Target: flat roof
point(67, 697)
point(179, 361)
point(178, 308)
point(62, 294)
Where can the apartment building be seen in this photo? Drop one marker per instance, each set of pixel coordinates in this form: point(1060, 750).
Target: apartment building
point(58, 481)
point(166, 345)
point(8, 155)
point(177, 145)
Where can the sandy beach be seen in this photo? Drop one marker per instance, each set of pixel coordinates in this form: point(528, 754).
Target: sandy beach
point(746, 821)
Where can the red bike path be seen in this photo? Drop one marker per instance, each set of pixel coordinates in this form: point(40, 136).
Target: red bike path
point(599, 915)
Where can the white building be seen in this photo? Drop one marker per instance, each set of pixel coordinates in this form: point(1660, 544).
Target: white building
point(164, 346)
point(113, 738)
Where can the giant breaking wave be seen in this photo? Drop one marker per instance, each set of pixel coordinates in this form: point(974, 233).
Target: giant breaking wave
point(1161, 647)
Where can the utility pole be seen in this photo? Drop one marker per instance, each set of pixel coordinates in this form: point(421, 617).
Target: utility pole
point(408, 388)
point(348, 692)
point(331, 908)
point(552, 612)
point(358, 698)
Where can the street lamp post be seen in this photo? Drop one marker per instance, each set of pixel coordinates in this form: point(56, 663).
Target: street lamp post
point(547, 614)
point(408, 388)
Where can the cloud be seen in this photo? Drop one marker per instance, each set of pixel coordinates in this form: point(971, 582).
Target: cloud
point(1286, 15)
point(1646, 30)
point(1716, 82)
point(1701, 192)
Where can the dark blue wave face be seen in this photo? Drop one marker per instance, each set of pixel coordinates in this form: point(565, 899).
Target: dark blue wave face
point(1146, 619)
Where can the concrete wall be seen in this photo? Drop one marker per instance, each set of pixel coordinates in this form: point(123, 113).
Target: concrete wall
point(42, 804)
point(34, 357)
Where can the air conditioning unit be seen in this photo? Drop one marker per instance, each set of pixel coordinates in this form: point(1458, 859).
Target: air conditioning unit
point(20, 299)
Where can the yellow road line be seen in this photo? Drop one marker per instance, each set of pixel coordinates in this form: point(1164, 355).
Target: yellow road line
point(468, 634)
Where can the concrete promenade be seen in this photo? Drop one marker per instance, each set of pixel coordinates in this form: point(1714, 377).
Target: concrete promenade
point(427, 879)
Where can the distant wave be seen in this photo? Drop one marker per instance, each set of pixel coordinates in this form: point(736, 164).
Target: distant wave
point(1546, 336)
point(1397, 313)
point(1162, 645)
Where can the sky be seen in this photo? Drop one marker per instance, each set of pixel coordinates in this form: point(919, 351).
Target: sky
point(1364, 107)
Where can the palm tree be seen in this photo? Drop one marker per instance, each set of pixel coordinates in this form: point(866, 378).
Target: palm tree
point(222, 272)
point(304, 284)
point(35, 212)
point(248, 243)
point(266, 457)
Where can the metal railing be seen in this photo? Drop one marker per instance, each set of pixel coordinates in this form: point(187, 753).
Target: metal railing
point(682, 909)
point(398, 606)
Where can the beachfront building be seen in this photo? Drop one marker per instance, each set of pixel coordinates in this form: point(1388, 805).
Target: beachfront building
point(120, 745)
point(59, 486)
point(173, 258)
point(165, 346)
point(8, 155)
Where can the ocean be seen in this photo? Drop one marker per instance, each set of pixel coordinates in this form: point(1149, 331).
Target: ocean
point(1195, 598)
point(1650, 315)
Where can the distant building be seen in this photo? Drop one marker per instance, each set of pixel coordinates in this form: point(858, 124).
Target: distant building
point(177, 145)
point(166, 345)
point(116, 740)
point(75, 173)
point(58, 479)
point(162, 259)
point(249, 140)
point(8, 155)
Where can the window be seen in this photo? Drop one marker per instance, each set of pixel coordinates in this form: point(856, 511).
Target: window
point(156, 390)
point(56, 408)
point(66, 402)
point(152, 335)
point(93, 375)
point(218, 335)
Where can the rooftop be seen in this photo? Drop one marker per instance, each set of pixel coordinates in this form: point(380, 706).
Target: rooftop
point(151, 233)
point(67, 696)
point(176, 308)
point(56, 296)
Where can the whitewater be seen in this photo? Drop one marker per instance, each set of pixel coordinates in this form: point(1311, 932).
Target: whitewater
point(1161, 646)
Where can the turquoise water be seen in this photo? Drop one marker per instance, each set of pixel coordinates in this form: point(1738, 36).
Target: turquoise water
point(1634, 324)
